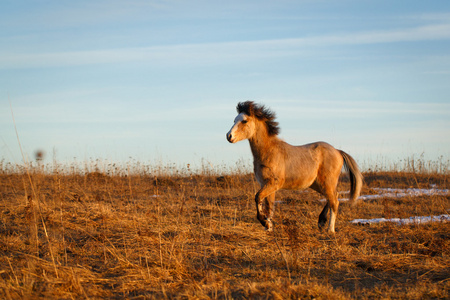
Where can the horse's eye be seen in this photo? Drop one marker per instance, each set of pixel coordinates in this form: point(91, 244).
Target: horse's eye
point(244, 122)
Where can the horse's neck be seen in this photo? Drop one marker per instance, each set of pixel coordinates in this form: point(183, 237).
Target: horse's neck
point(262, 144)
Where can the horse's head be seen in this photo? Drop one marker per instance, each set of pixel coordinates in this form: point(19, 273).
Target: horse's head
point(245, 124)
point(243, 128)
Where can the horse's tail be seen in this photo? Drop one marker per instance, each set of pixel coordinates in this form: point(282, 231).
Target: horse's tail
point(356, 178)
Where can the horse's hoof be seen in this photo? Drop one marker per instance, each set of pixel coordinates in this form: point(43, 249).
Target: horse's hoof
point(269, 226)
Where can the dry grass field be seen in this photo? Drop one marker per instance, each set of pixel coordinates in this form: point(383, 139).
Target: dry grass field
point(108, 233)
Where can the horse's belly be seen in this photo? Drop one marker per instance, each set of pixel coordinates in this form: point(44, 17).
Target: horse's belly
point(297, 184)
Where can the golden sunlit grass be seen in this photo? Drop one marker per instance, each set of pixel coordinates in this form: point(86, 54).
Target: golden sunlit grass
point(138, 232)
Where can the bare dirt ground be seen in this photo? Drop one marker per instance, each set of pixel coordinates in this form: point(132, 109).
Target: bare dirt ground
point(108, 235)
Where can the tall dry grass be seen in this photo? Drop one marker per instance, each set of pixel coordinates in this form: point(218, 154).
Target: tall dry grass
point(100, 230)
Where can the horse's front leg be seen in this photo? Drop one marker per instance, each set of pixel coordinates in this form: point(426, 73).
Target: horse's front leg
point(265, 215)
point(270, 207)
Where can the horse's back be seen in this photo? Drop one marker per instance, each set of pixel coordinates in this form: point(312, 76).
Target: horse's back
point(326, 155)
point(318, 146)
point(317, 152)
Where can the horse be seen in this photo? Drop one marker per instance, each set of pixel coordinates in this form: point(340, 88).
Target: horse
point(279, 165)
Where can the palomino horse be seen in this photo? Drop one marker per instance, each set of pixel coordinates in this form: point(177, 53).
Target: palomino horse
point(279, 165)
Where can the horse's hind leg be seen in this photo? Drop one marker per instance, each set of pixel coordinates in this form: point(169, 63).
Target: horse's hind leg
point(323, 217)
point(327, 187)
point(334, 204)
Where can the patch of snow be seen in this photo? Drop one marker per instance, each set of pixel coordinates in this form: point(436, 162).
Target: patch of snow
point(400, 193)
point(406, 221)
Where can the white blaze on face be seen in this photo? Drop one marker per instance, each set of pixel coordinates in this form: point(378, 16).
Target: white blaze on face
point(232, 134)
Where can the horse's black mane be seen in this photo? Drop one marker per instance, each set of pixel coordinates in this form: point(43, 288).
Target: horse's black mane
point(260, 112)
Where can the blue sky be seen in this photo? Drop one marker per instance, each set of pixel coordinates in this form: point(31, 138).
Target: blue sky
point(158, 81)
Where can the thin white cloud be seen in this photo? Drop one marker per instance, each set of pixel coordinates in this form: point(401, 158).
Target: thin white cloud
point(423, 33)
point(221, 52)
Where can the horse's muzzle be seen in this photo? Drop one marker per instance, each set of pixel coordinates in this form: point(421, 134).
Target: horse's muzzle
point(229, 137)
